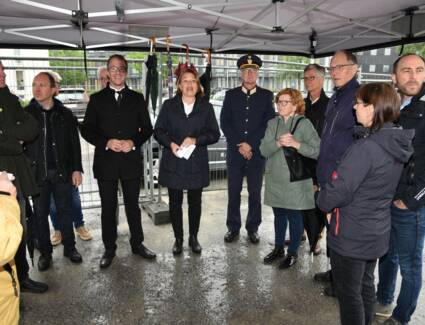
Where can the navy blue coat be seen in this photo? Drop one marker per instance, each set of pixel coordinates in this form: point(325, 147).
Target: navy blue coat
point(338, 130)
point(172, 125)
point(244, 119)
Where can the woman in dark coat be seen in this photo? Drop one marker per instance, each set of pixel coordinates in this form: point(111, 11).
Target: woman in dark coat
point(360, 196)
point(186, 120)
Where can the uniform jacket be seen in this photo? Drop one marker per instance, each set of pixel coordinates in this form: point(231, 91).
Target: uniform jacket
point(16, 125)
point(279, 191)
point(316, 112)
point(104, 120)
point(411, 189)
point(338, 130)
point(173, 125)
point(65, 137)
point(10, 237)
point(244, 119)
point(362, 190)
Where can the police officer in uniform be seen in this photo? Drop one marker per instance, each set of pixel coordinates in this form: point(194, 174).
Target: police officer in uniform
point(246, 110)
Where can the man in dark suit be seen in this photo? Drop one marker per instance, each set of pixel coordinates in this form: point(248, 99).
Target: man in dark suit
point(117, 123)
point(246, 110)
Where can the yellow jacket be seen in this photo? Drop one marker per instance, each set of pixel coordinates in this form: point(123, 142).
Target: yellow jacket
point(10, 237)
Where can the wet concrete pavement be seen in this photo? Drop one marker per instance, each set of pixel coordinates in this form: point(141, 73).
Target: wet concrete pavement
point(226, 284)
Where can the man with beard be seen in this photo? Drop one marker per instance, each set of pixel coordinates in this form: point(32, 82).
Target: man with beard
point(408, 209)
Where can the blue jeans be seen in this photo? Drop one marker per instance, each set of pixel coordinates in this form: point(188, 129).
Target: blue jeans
point(406, 247)
point(62, 194)
point(77, 212)
point(296, 228)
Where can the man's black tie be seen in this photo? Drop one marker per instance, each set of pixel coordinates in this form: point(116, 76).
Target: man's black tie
point(119, 98)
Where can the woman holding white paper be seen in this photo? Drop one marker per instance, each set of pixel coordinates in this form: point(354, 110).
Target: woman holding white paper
point(185, 126)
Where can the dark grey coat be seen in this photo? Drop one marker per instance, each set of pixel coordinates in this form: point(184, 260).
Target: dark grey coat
point(173, 125)
point(361, 193)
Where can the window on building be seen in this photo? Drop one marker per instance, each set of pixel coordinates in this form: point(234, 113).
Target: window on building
point(385, 68)
point(373, 52)
point(20, 80)
point(372, 68)
point(387, 51)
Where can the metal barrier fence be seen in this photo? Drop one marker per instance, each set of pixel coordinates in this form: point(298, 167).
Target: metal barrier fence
point(274, 75)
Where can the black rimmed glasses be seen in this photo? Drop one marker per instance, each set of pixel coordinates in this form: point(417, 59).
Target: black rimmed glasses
point(283, 103)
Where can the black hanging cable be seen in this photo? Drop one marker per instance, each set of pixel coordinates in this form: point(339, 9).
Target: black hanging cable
point(409, 12)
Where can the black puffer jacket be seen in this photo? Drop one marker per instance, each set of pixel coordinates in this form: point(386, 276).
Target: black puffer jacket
point(411, 189)
point(173, 125)
point(67, 149)
point(361, 192)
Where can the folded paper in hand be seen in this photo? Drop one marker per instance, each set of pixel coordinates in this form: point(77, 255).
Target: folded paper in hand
point(185, 152)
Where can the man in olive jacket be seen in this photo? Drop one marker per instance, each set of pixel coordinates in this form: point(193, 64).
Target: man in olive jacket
point(16, 126)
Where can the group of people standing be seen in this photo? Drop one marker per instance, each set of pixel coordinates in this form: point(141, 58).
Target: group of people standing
point(369, 182)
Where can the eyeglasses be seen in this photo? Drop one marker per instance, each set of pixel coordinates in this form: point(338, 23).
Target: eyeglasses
point(283, 102)
point(339, 67)
point(310, 78)
point(117, 69)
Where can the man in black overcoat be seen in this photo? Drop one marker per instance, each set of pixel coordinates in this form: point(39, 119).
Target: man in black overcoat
point(117, 123)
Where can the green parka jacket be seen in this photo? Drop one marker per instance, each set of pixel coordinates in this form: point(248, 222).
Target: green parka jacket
point(279, 191)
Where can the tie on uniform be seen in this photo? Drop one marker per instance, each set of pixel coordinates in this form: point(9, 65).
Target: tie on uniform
point(119, 98)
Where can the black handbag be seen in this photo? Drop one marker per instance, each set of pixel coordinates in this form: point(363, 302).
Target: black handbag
point(300, 167)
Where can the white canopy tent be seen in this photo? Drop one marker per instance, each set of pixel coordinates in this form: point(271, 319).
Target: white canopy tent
point(305, 27)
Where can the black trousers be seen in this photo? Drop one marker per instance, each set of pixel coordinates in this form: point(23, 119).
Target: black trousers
point(108, 191)
point(353, 281)
point(62, 194)
point(194, 200)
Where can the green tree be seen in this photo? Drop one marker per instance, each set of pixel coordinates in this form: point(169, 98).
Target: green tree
point(417, 48)
point(72, 71)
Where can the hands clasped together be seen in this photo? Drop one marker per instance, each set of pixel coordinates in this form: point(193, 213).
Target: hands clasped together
point(120, 145)
point(287, 140)
point(188, 141)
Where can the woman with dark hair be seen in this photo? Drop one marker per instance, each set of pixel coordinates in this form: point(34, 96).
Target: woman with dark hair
point(288, 199)
point(186, 121)
point(359, 197)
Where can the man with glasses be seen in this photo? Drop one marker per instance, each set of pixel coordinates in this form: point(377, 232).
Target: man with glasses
point(338, 129)
point(117, 123)
point(246, 110)
point(316, 100)
point(408, 209)
point(316, 103)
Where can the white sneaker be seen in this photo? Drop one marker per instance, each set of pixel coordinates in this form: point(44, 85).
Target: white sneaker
point(384, 311)
point(56, 238)
point(83, 233)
